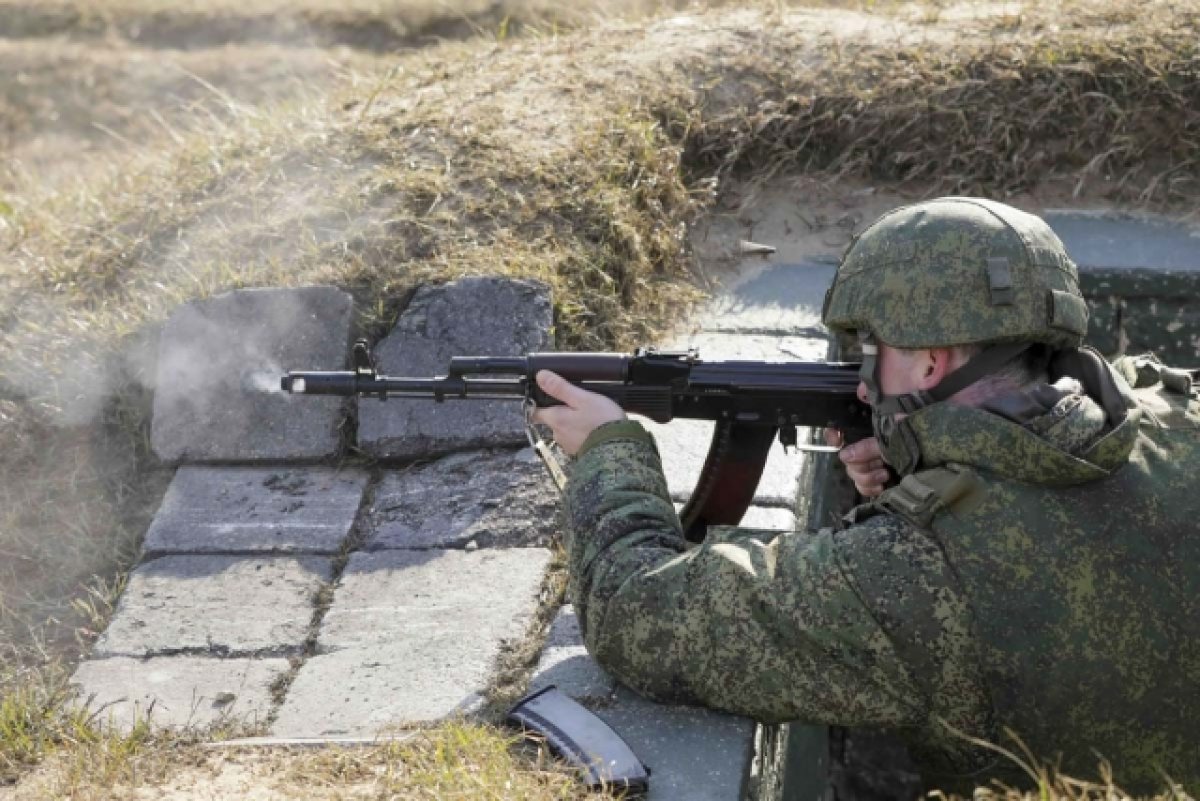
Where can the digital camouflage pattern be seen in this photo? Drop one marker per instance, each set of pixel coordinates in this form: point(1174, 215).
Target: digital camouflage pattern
point(1052, 590)
point(958, 271)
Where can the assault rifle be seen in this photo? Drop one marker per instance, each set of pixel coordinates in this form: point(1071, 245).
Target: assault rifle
point(751, 403)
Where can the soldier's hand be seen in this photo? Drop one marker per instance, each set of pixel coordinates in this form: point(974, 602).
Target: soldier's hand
point(864, 463)
point(581, 413)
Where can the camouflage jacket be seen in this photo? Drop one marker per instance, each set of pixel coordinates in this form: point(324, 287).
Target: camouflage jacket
point(1002, 586)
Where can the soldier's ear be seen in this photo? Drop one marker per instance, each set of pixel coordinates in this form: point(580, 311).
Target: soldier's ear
point(935, 364)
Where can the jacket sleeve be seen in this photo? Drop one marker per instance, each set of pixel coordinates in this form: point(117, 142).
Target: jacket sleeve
point(763, 624)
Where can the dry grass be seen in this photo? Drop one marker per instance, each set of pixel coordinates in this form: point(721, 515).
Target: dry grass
point(457, 761)
point(1101, 97)
point(376, 25)
point(577, 159)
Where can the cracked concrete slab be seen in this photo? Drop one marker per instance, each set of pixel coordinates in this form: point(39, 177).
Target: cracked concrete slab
point(479, 316)
point(229, 509)
point(217, 395)
point(412, 637)
point(216, 605)
point(497, 498)
point(178, 692)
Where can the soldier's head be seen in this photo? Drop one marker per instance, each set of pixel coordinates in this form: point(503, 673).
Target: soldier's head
point(946, 297)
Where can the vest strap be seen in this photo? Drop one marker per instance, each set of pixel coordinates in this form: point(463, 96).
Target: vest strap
point(920, 497)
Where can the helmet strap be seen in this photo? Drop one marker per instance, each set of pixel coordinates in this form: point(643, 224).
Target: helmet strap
point(897, 442)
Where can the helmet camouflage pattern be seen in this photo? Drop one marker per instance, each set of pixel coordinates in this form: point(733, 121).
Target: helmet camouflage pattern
point(958, 271)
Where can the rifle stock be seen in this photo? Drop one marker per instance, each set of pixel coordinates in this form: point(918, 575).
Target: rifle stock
point(751, 403)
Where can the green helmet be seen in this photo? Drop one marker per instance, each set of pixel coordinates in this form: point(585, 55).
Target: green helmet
point(958, 271)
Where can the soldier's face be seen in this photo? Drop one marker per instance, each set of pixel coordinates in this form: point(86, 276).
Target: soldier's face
point(900, 371)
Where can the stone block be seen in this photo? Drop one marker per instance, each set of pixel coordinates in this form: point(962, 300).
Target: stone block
point(178, 692)
point(481, 316)
point(775, 299)
point(412, 637)
point(368, 692)
point(217, 395)
point(256, 509)
point(216, 605)
point(565, 662)
point(491, 498)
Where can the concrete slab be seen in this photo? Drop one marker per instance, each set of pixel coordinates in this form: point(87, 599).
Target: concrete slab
point(490, 498)
point(216, 605)
point(776, 299)
point(217, 395)
point(1099, 239)
point(695, 754)
point(411, 637)
point(566, 664)
point(256, 509)
point(481, 316)
point(389, 596)
point(178, 692)
point(369, 692)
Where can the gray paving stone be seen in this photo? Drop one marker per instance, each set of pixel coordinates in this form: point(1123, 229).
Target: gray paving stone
point(218, 605)
point(411, 637)
point(695, 754)
point(367, 692)
point(779, 299)
point(217, 395)
point(178, 692)
point(256, 509)
point(1114, 239)
point(565, 662)
point(490, 498)
point(482, 316)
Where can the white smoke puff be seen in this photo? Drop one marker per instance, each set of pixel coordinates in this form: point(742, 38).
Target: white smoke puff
point(56, 363)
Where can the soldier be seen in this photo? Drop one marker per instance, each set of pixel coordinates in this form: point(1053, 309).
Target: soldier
point(1036, 567)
